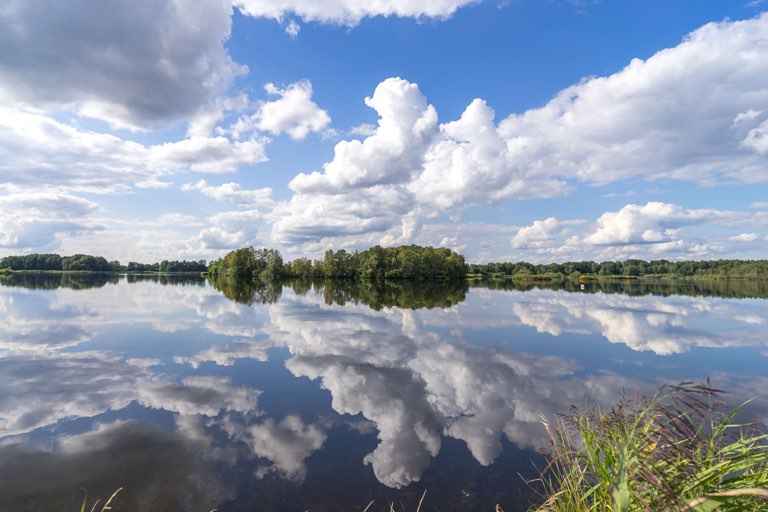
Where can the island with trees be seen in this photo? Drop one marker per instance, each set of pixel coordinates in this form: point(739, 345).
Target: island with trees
point(410, 262)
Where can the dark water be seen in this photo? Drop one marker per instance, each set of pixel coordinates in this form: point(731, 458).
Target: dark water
point(323, 397)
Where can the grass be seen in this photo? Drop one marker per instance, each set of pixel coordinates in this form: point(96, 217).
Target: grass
point(105, 507)
point(674, 451)
point(392, 505)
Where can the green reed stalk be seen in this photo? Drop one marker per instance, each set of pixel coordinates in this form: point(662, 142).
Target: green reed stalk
point(674, 451)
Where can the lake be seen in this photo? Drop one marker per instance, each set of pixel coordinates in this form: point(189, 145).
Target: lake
point(325, 396)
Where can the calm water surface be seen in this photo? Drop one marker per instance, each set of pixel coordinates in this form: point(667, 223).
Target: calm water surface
point(325, 396)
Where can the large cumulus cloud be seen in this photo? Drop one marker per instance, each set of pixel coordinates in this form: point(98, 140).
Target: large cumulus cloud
point(694, 112)
point(133, 65)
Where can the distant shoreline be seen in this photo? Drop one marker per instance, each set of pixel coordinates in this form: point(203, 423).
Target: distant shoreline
point(591, 278)
point(531, 278)
point(406, 262)
point(105, 272)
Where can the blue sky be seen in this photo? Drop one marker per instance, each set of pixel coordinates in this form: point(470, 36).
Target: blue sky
point(541, 130)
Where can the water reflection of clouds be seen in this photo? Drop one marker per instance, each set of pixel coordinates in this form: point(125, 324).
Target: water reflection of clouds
point(160, 471)
point(50, 376)
point(417, 386)
point(395, 399)
point(411, 373)
point(663, 325)
point(666, 325)
point(38, 321)
point(286, 444)
point(32, 322)
point(41, 391)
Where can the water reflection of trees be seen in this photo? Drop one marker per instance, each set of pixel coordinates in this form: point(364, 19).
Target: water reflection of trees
point(86, 280)
point(167, 279)
point(381, 294)
point(52, 281)
point(248, 292)
point(444, 294)
point(757, 289)
point(378, 295)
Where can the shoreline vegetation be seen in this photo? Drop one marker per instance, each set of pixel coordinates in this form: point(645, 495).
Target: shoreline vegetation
point(410, 262)
point(89, 263)
point(678, 450)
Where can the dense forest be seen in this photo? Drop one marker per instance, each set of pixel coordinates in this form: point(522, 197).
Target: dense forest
point(377, 263)
point(85, 262)
point(736, 269)
point(56, 262)
point(167, 266)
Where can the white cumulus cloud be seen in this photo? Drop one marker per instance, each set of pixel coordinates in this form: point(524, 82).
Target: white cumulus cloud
point(654, 222)
point(349, 12)
point(233, 192)
point(293, 113)
point(744, 237)
point(537, 234)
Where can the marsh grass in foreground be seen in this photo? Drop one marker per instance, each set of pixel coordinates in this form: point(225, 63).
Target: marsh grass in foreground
point(106, 506)
point(674, 451)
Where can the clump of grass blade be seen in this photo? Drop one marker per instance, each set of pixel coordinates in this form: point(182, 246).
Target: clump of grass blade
point(673, 451)
point(107, 505)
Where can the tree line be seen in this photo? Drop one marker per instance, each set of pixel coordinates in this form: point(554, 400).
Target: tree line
point(167, 266)
point(735, 269)
point(411, 262)
point(89, 263)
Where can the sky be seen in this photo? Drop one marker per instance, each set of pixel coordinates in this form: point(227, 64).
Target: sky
point(537, 130)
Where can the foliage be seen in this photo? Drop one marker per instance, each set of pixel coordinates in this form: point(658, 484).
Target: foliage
point(674, 451)
point(86, 262)
point(168, 266)
point(721, 269)
point(89, 263)
point(32, 262)
point(377, 263)
point(410, 262)
point(248, 262)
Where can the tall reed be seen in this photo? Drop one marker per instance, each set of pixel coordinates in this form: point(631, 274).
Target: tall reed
point(106, 506)
point(674, 451)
